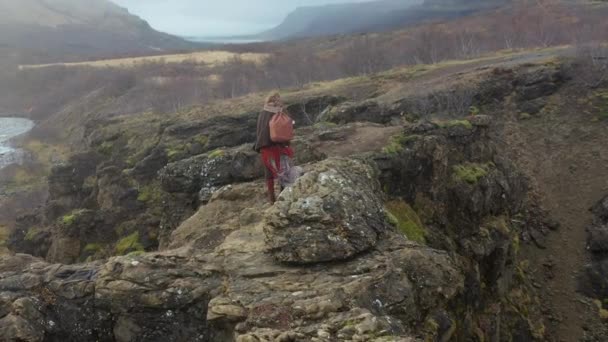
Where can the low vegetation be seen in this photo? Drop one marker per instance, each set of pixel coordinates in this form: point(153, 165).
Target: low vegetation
point(397, 143)
point(455, 123)
point(72, 218)
point(216, 154)
point(404, 218)
point(150, 194)
point(31, 234)
point(471, 172)
point(601, 99)
point(205, 57)
point(129, 244)
point(69, 219)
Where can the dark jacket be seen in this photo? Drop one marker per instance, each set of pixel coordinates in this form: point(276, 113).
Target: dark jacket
point(263, 131)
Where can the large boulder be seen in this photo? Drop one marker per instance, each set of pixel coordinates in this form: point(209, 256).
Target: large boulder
point(212, 170)
point(334, 212)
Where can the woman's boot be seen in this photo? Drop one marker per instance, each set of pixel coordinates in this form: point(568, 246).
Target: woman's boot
point(271, 194)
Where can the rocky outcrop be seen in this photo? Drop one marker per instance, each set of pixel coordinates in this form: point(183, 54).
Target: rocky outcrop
point(333, 214)
point(211, 171)
point(347, 112)
point(68, 187)
point(416, 240)
point(310, 111)
point(331, 261)
point(222, 293)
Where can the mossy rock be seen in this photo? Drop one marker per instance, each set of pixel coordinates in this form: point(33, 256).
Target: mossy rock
point(129, 244)
point(472, 172)
point(404, 218)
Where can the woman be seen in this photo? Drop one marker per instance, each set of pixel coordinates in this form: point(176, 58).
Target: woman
point(270, 151)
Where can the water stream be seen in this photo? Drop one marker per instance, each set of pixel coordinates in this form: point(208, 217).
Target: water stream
point(9, 128)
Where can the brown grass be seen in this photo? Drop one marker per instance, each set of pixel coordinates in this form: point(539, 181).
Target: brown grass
point(210, 58)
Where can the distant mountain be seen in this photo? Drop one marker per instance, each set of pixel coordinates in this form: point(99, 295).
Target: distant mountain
point(67, 30)
point(370, 16)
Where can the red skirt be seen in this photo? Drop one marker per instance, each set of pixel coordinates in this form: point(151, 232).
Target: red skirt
point(271, 157)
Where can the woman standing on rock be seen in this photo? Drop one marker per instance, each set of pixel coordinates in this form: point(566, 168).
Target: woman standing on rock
point(271, 151)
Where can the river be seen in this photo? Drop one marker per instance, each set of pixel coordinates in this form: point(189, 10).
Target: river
point(10, 128)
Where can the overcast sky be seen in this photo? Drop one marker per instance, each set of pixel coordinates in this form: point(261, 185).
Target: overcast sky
point(216, 17)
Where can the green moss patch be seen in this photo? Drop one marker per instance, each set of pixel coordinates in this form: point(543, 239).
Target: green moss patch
point(93, 248)
point(175, 152)
point(397, 143)
point(474, 110)
point(129, 244)
point(70, 219)
point(150, 193)
point(31, 234)
point(404, 218)
point(203, 140)
point(4, 236)
point(217, 154)
point(471, 172)
point(106, 148)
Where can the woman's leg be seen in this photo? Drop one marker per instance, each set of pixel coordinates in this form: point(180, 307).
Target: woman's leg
point(270, 172)
point(270, 186)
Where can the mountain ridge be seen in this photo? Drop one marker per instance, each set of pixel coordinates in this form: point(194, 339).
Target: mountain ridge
point(314, 21)
point(70, 30)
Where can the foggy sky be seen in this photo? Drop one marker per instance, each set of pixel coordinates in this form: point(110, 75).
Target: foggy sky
point(216, 18)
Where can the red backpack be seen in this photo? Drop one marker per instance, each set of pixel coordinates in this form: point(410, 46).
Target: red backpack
point(281, 128)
